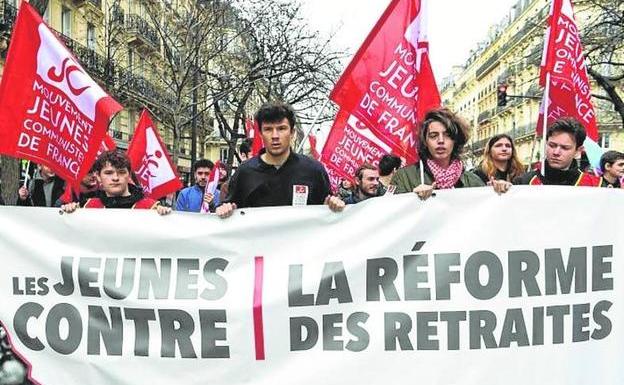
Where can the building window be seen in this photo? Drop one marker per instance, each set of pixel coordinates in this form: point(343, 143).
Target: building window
point(91, 41)
point(66, 21)
point(604, 140)
point(224, 152)
point(130, 59)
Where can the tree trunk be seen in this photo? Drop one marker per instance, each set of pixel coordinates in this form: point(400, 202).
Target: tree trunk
point(10, 179)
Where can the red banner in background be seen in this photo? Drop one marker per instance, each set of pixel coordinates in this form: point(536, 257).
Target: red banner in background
point(51, 111)
point(389, 84)
point(253, 132)
point(107, 144)
point(570, 90)
point(150, 160)
point(350, 144)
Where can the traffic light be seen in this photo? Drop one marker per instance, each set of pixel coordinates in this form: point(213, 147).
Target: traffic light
point(501, 95)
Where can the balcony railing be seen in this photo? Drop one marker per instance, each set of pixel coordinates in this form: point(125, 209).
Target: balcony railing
point(117, 15)
point(485, 115)
point(94, 3)
point(517, 133)
point(522, 131)
point(135, 24)
point(121, 81)
point(479, 145)
point(94, 63)
point(488, 65)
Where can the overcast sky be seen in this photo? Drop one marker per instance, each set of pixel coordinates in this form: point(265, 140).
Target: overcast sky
point(455, 26)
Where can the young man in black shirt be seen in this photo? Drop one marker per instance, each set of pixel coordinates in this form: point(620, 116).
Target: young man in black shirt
point(278, 176)
point(564, 142)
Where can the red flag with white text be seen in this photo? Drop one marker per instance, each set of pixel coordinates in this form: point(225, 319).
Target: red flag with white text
point(150, 160)
point(389, 84)
point(51, 111)
point(563, 58)
point(350, 144)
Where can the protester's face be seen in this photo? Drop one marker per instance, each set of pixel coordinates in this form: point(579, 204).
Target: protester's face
point(276, 137)
point(245, 155)
point(346, 184)
point(439, 143)
point(369, 182)
point(46, 172)
point(113, 181)
point(501, 150)
point(89, 182)
point(616, 169)
point(222, 173)
point(561, 150)
point(201, 176)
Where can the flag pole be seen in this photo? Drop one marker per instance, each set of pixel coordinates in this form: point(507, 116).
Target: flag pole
point(422, 171)
point(545, 121)
point(318, 116)
point(532, 152)
point(27, 175)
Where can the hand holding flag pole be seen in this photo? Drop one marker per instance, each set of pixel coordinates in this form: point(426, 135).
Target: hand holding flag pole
point(211, 186)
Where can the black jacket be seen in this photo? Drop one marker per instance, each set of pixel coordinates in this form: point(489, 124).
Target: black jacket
point(136, 194)
point(37, 194)
point(258, 184)
point(553, 176)
point(499, 175)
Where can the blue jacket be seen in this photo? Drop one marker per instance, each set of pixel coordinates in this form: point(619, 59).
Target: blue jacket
point(190, 199)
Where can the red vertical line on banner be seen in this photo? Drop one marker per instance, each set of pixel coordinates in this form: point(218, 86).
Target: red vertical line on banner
point(257, 309)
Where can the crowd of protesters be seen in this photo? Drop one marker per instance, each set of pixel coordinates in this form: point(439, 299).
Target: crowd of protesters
point(12, 368)
point(278, 176)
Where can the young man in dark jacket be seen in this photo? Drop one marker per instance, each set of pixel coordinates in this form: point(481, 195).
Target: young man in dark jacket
point(564, 142)
point(116, 191)
point(43, 190)
point(278, 176)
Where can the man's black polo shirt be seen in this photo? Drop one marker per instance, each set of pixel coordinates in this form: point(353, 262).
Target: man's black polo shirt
point(258, 184)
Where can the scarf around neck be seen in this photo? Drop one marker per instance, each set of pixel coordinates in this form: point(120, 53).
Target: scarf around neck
point(446, 177)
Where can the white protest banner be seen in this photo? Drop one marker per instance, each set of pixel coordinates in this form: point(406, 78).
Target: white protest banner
point(464, 288)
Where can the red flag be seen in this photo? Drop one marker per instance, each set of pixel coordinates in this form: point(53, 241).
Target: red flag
point(389, 84)
point(253, 133)
point(51, 111)
point(73, 188)
point(151, 161)
point(313, 150)
point(107, 144)
point(211, 186)
point(349, 144)
point(563, 58)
